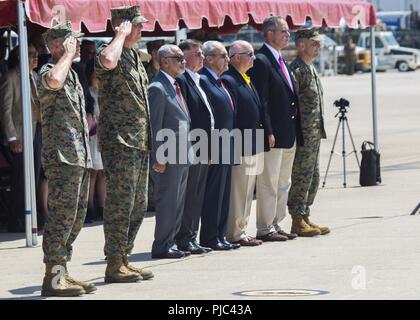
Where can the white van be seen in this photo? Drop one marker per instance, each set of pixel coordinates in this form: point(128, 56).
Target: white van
point(389, 54)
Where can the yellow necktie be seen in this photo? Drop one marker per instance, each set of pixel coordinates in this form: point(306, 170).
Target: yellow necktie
point(247, 79)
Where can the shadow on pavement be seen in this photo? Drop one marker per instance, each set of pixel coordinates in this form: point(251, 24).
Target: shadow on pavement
point(27, 291)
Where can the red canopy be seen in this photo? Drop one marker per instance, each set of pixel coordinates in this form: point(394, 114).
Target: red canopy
point(8, 14)
point(167, 15)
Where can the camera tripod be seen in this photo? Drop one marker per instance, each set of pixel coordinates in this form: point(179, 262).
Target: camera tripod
point(343, 122)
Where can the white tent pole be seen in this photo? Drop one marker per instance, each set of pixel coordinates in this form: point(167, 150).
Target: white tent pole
point(373, 73)
point(9, 42)
point(30, 204)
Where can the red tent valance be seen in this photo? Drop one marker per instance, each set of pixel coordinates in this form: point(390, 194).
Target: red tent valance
point(168, 15)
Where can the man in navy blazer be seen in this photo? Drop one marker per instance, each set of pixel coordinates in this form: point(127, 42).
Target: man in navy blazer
point(216, 199)
point(169, 114)
point(250, 118)
point(201, 113)
point(277, 91)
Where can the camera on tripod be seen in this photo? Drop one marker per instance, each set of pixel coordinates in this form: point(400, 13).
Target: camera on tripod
point(342, 104)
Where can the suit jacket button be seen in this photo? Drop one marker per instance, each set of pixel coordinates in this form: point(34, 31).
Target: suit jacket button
point(293, 103)
point(293, 117)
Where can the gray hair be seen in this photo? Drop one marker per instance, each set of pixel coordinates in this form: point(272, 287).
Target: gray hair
point(271, 23)
point(238, 46)
point(210, 46)
point(165, 51)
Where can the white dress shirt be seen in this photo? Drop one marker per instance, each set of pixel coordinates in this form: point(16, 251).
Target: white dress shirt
point(196, 79)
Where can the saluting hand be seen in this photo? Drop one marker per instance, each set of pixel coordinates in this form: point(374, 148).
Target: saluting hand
point(124, 28)
point(70, 46)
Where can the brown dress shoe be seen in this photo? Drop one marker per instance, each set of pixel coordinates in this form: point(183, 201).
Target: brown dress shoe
point(248, 243)
point(289, 236)
point(260, 242)
point(273, 236)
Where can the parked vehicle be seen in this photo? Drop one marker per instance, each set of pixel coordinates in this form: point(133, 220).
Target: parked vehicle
point(389, 54)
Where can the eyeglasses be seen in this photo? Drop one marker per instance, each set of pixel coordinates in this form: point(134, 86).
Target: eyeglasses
point(177, 58)
point(33, 55)
point(249, 54)
point(221, 55)
point(197, 54)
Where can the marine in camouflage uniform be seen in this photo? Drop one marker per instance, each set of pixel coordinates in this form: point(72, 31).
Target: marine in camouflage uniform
point(305, 172)
point(66, 160)
point(125, 141)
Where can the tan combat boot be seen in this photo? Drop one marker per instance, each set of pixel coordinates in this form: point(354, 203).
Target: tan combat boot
point(301, 228)
point(145, 274)
point(324, 230)
point(56, 285)
point(117, 272)
point(88, 287)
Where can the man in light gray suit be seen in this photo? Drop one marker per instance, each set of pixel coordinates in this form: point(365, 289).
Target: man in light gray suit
point(169, 159)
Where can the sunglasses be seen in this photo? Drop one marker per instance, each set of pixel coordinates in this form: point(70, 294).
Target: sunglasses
point(221, 55)
point(177, 58)
point(249, 54)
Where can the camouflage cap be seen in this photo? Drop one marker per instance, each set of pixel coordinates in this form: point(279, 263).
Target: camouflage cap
point(62, 30)
point(311, 34)
point(131, 13)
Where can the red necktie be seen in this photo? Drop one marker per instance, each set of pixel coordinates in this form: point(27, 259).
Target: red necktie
point(179, 94)
point(220, 83)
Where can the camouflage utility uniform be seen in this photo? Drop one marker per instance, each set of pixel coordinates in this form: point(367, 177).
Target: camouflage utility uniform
point(125, 140)
point(66, 158)
point(305, 173)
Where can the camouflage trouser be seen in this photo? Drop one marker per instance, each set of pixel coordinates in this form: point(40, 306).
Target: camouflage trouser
point(67, 202)
point(305, 177)
point(127, 174)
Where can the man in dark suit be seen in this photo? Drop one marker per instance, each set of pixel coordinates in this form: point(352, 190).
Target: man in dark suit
point(202, 120)
point(170, 117)
point(216, 199)
point(251, 118)
point(277, 91)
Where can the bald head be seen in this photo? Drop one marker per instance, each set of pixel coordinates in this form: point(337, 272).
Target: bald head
point(241, 54)
point(238, 47)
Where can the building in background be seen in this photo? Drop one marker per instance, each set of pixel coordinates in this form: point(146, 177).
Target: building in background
point(396, 5)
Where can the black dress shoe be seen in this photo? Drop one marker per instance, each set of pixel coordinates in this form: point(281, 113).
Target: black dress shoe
point(170, 254)
point(231, 245)
point(186, 253)
point(190, 247)
point(219, 247)
point(206, 249)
